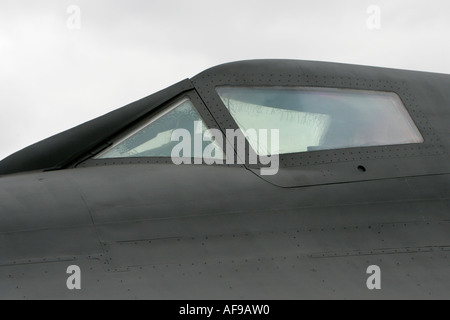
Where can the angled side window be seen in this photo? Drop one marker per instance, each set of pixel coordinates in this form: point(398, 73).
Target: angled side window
point(311, 119)
point(154, 138)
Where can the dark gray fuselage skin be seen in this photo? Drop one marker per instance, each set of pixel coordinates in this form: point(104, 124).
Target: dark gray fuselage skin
point(159, 231)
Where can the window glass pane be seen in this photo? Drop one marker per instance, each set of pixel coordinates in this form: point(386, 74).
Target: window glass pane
point(321, 118)
point(154, 138)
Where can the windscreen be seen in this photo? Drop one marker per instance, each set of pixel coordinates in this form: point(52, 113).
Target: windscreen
point(310, 119)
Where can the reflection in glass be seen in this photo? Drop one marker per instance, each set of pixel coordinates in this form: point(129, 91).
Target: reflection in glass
point(154, 138)
point(311, 119)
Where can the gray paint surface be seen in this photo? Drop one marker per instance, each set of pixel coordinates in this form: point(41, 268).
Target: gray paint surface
point(142, 229)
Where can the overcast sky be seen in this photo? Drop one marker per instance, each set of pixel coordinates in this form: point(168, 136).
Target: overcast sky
point(59, 68)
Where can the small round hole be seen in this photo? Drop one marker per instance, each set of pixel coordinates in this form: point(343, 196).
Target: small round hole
point(362, 168)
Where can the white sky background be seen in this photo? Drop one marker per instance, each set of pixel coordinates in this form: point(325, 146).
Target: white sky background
point(53, 78)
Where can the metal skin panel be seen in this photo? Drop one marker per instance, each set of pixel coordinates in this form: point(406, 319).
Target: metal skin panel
point(148, 229)
point(425, 95)
point(166, 231)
